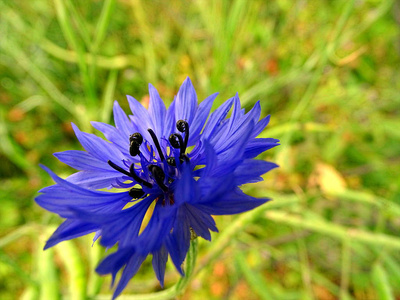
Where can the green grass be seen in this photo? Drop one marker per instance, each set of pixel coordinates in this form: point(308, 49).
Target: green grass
point(326, 71)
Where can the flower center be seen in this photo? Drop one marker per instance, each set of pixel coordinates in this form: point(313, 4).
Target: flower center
point(157, 172)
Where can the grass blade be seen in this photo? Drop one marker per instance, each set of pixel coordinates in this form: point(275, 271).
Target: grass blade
point(334, 230)
point(70, 255)
point(254, 279)
point(381, 282)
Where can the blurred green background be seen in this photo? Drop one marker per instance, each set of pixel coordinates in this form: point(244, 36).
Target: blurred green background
point(326, 71)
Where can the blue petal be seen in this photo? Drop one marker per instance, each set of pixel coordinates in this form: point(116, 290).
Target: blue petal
point(186, 189)
point(157, 110)
point(158, 228)
point(231, 203)
point(70, 229)
point(236, 113)
point(65, 195)
point(216, 118)
point(186, 102)
point(200, 118)
point(211, 159)
point(250, 171)
point(169, 125)
point(232, 149)
point(258, 146)
point(117, 137)
point(200, 221)
point(64, 202)
point(140, 118)
point(260, 126)
point(213, 187)
point(82, 160)
point(115, 261)
point(97, 147)
point(122, 122)
point(234, 129)
point(159, 262)
point(178, 240)
point(97, 180)
point(122, 226)
point(255, 112)
point(130, 270)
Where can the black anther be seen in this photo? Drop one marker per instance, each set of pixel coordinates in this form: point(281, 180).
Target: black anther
point(171, 161)
point(136, 193)
point(176, 140)
point(134, 149)
point(135, 141)
point(136, 137)
point(182, 126)
point(158, 175)
point(157, 172)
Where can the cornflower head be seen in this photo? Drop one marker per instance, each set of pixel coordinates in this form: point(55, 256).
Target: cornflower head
point(172, 163)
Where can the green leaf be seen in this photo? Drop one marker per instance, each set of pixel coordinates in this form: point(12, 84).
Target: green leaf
point(71, 257)
point(381, 283)
point(334, 230)
point(48, 278)
point(255, 280)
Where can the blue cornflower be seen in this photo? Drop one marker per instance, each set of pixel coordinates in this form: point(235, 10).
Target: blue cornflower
point(148, 161)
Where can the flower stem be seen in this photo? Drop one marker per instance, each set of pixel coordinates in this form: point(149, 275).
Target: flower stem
point(189, 267)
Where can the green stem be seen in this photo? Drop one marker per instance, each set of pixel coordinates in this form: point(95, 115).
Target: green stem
point(190, 265)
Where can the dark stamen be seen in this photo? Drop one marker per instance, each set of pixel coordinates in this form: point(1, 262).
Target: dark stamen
point(136, 137)
point(118, 168)
point(159, 176)
point(135, 140)
point(171, 161)
point(131, 173)
point(183, 126)
point(137, 178)
point(136, 193)
point(155, 140)
point(134, 150)
point(176, 141)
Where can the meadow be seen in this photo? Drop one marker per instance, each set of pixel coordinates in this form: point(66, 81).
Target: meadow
point(326, 71)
